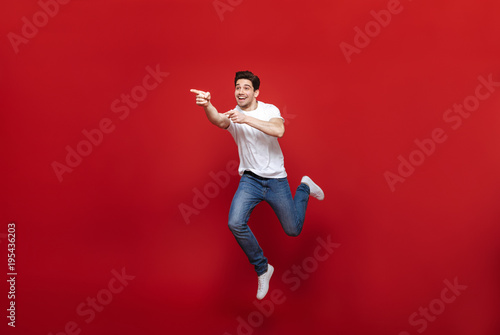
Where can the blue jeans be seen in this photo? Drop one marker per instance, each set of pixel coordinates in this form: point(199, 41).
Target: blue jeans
point(276, 192)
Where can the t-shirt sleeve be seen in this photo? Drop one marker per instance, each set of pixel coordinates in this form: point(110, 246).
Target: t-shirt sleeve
point(274, 112)
point(231, 127)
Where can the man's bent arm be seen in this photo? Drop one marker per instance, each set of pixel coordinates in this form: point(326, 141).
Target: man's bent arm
point(274, 127)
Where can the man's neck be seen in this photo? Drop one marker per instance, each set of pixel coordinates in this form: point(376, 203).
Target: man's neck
point(251, 107)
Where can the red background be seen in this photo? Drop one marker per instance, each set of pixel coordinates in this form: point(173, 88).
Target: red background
point(347, 123)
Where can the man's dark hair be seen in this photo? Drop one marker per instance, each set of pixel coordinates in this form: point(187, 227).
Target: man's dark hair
point(250, 76)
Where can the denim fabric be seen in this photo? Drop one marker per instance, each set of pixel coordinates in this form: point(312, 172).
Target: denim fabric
point(276, 192)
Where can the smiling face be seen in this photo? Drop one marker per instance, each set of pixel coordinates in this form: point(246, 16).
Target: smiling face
point(246, 96)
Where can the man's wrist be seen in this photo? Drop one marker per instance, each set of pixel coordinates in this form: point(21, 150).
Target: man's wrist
point(246, 119)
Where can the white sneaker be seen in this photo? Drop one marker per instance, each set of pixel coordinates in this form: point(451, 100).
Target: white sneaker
point(316, 191)
point(264, 282)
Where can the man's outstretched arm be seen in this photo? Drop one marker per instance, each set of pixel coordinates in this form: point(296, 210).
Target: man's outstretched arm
point(216, 118)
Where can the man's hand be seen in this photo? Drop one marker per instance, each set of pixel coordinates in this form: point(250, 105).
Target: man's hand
point(235, 116)
point(202, 98)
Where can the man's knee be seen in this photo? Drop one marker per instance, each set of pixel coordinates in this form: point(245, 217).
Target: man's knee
point(235, 225)
point(293, 233)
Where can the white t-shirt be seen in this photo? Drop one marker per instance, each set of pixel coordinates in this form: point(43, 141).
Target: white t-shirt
point(259, 152)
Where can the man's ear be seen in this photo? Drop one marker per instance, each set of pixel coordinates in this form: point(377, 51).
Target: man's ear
point(256, 93)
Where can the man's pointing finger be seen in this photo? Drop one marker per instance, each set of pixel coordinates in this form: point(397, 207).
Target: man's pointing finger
point(195, 91)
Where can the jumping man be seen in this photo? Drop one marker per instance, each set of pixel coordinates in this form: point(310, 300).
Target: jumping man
point(256, 127)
